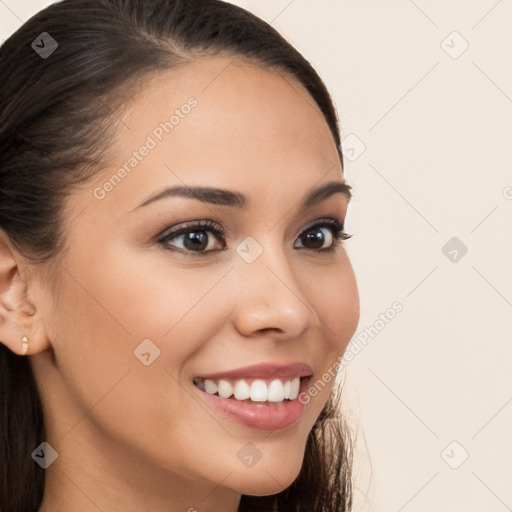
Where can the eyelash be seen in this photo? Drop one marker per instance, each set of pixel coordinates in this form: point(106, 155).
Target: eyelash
point(339, 234)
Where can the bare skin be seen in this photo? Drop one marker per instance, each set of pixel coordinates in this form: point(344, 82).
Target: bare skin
point(132, 437)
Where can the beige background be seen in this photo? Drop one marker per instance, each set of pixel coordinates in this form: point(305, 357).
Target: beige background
point(436, 125)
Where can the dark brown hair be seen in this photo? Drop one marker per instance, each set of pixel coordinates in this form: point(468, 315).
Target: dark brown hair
point(57, 115)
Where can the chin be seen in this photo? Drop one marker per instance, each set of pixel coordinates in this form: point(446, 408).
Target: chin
point(266, 482)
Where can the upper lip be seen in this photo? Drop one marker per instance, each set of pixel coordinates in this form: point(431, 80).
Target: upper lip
point(263, 371)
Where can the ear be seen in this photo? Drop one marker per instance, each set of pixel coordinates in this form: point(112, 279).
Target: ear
point(18, 315)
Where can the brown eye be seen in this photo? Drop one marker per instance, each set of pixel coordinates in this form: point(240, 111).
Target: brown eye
point(200, 238)
point(197, 238)
point(323, 236)
point(315, 238)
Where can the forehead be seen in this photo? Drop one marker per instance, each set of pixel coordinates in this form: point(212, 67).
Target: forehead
point(226, 123)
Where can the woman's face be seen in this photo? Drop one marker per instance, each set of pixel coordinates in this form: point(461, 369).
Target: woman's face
point(137, 318)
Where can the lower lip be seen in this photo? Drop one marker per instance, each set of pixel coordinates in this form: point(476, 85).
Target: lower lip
point(263, 417)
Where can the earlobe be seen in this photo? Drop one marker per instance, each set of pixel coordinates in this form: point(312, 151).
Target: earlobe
point(20, 328)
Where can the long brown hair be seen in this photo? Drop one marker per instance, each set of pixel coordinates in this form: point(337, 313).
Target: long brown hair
point(56, 114)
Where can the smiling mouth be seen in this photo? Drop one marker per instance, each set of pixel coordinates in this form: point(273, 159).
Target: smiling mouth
point(253, 391)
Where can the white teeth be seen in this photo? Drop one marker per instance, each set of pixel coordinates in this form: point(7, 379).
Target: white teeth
point(276, 391)
point(242, 390)
point(287, 386)
point(210, 387)
point(225, 389)
point(258, 391)
point(294, 388)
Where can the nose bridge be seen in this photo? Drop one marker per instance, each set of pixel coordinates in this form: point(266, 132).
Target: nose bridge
point(270, 297)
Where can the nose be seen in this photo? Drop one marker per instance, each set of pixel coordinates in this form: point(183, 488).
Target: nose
point(271, 297)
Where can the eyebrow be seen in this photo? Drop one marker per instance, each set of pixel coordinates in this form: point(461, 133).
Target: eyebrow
point(233, 199)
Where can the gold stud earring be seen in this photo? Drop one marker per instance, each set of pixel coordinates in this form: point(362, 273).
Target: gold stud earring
point(25, 344)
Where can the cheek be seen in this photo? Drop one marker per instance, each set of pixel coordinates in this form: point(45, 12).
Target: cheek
point(106, 316)
point(336, 299)
point(99, 322)
point(334, 296)
point(93, 344)
point(178, 308)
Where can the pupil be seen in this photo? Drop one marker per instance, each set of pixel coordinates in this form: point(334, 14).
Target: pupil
point(316, 237)
point(196, 240)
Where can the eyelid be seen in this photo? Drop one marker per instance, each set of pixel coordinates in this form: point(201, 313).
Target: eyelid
point(324, 220)
point(218, 231)
point(336, 226)
point(206, 224)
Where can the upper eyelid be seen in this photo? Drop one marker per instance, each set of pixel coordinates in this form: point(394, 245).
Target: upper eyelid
point(322, 220)
point(199, 225)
